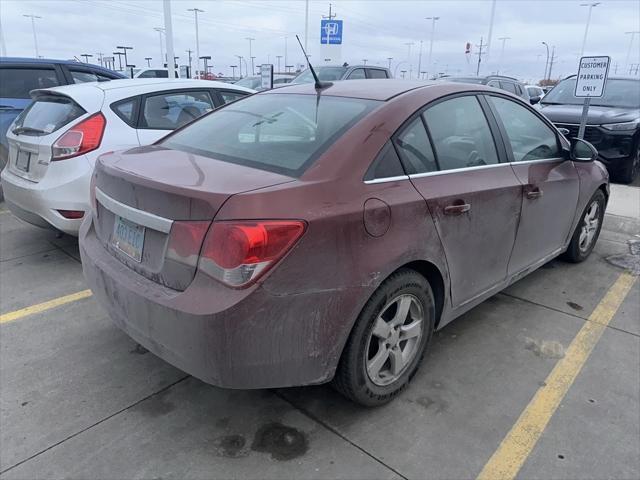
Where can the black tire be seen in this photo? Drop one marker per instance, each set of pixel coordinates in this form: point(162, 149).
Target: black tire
point(352, 378)
point(575, 253)
point(629, 172)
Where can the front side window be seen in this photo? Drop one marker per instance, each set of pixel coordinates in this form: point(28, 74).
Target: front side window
point(460, 133)
point(282, 133)
point(169, 111)
point(18, 82)
point(357, 74)
point(508, 86)
point(529, 136)
point(415, 149)
point(48, 113)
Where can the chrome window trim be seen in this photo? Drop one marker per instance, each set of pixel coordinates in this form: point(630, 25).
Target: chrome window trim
point(386, 179)
point(539, 160)
point(573, 124)
point(140, 217)
point(457, 170)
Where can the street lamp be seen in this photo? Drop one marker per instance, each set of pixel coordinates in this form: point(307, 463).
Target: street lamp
point(119, 54)
point(125, 54)
point(205, 59)
point(250, 39)
point(240, 58)
point(148, 59)
point(195, 12)
point(586, 28)
point(160, 31)
point(433, 29)
point(233, 69)
point(389, 58)
point(33, 27)
point(408, 44)
point(503, 39)
point(546, 64)
point(364, 61)
point(86, 57)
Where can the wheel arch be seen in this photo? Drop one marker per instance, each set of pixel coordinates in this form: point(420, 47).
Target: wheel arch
point(433, 275)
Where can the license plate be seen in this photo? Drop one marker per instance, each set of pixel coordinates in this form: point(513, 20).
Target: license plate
point(128, 238)
point(23, 160)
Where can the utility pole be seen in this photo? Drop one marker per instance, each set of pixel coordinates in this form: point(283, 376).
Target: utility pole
point(279, 57)
point(433, 29)
point(3, 47)
point(633, 34)
point(408, 44)
point(33, 27)
point(285, 54)
point(240, 57)
point(126, 62)
point(552, 60)
point(168, 27)
point(420, 59)
point(389, 58)
point(86, 57)
point(189, 52)
point(586, 28)
point(119, 54)
point(480, 52)
point(493, 16)
point(251, 57)
point(503, 39)
point(100, 54)
point(160, 31)
point(546, 65)
point(195, 12)
point(148, 59)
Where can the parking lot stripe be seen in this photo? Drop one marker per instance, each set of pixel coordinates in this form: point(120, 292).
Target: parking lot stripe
point(41, 307)
point(516, 447)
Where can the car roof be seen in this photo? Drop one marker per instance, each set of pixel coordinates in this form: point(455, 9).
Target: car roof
point(371, 89)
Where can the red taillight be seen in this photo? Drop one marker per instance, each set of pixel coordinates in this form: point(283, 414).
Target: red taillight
point(81, 138)
point(185, 241)
point(238, 253)
point(71, 214)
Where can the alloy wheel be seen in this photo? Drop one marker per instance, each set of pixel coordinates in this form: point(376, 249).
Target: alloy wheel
point(589, 227)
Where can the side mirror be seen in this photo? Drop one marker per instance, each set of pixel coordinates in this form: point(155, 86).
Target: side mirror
point(582, 151)
point(534, 100)
point(564, 131)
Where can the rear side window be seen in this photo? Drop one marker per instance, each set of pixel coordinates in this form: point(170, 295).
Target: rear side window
point(126, 110)
point(46, 114)
point(169, 111)
point(18, 82)
point(508, 86)
point(386, 165)
point(228, 96)
point(282, 133)
point(377, 73)
point(461, 135)
point(415, 149)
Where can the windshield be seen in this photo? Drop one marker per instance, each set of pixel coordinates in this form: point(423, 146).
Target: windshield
point(618, 93)
point(326, 74)
point(249, 82)
point(46, 114)
point(280, 133)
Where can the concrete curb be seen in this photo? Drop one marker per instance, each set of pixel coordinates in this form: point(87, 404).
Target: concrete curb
point(618, 224)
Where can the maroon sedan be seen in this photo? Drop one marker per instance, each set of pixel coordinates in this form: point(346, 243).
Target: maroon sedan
point(300, 236)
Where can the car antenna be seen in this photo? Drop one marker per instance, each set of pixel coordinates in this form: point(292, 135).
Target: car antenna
point(318, 84)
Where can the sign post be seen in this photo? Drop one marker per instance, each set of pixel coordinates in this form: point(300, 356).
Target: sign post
point(591, 82)
point(266, 76)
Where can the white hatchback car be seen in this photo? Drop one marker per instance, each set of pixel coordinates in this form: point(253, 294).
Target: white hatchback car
point(55, 142)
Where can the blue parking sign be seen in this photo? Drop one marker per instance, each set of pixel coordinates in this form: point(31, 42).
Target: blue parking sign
point(331, 32)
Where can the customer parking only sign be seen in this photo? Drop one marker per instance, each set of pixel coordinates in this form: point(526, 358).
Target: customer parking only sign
point(592, 76)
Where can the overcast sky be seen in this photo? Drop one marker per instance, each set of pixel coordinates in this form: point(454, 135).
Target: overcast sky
point(373, 29)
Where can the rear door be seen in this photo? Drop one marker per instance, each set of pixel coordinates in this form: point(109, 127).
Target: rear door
point(472, 193)
point(163, 112)
point(551, 183)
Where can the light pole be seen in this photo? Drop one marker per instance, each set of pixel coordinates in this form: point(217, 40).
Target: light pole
point(119, 54)
point(503, 39)
point(633, 34)
point(195, 12)
point(33, 27)
point(148, 59)
point(168, 28)
point(419, 59)
point(205, 59)
point(553, 57)
point(546, 64)
point(389, 58)
point(433, 29)
point(160, 31)
point(250, 39)
point(100, 58)
point(489, 36)
point(408, 44)
point(86, 57)
point(364, 61)
point(586, 28)
point(240, 57)
point(279, 57)
point(285, 53)
point(233, 69)
point(126, 62)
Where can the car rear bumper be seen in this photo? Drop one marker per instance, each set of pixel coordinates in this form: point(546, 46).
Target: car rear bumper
point(229, 338)
point(38, 203)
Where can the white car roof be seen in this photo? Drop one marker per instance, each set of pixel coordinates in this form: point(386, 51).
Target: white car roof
point(91, 95)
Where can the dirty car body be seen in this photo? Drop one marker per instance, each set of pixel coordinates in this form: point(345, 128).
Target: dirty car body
point(359, 202)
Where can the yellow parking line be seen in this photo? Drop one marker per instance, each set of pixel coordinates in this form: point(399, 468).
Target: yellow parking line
point(520, 441)
point(41, 307)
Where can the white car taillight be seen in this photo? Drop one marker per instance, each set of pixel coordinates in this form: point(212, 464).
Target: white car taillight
point(79, 139)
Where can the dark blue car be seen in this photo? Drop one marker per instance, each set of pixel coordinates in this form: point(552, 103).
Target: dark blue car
point(18, 76)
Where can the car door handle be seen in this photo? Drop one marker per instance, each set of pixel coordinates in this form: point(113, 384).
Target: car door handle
point(534, 193)
point(457, 208)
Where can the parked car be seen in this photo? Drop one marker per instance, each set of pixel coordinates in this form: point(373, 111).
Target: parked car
point(255, 82)
point(613, 124)
point(54, 143)
point(535, 93)
point(18, 76)
point(328, 73)
point(510, 84)
point(310, 236)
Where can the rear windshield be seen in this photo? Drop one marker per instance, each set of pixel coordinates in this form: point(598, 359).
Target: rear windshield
point(279, 133)
point(46, 114)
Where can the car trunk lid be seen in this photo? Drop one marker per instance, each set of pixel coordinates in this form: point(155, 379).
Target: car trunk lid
point(173, 196)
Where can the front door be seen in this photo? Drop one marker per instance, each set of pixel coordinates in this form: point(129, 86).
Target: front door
point(550, 183)
point(474, 199)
